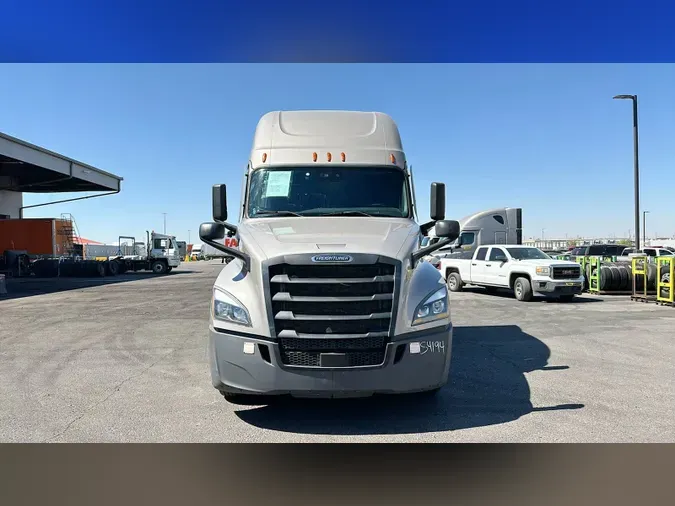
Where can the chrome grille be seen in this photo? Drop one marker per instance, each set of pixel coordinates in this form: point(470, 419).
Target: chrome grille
point(332, 309)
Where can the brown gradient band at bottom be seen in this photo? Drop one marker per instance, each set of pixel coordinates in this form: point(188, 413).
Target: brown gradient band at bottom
point(102, 474)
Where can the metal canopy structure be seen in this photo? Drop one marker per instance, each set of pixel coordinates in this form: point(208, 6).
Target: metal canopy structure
point(27, 168)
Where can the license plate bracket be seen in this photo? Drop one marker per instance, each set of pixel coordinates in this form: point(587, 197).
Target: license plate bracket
point(333, 360)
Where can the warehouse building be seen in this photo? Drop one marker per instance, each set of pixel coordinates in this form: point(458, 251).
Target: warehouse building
point(26, 168)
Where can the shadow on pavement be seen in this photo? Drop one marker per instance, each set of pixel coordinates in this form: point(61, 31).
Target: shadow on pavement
point(487, 386)
point(506, 294)
point(27, 287)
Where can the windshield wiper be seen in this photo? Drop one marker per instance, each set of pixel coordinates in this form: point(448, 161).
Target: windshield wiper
point(347, 213)
point(276, 213)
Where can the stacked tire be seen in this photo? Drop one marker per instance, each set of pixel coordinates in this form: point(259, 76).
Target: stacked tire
point(618, 276)
point(48, 268)
point(665, 278)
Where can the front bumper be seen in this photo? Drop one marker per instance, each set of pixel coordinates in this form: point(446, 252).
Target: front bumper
point(556, 287)
point(238, 367)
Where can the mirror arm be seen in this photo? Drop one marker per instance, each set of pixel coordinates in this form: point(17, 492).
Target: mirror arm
point(422, 252)
point(231, 251)
point(425, 227)
point(231, 228)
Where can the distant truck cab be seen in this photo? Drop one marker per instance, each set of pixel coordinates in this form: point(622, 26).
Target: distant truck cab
point(196, 253)
point(327, 295)
point(494, 226)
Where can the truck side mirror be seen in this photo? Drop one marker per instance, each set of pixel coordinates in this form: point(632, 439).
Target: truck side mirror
point(211, 231)
point(437, 201)
point(447, 229)
point(219, 203)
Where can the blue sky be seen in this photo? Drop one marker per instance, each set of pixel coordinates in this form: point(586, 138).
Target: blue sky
point(544, 137)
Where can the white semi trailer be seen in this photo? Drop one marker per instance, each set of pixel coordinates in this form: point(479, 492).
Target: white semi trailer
point(326, 295)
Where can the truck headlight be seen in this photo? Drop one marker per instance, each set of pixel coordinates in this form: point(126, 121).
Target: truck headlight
point(228, 309)
point(434, 307)
point(543, 271)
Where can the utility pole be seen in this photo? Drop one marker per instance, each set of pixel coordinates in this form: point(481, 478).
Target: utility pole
point(164, 223)
point(644, 227)
point(636, 166)
point(188, 237)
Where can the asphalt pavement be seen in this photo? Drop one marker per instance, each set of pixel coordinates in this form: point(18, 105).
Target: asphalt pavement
point(124, 360)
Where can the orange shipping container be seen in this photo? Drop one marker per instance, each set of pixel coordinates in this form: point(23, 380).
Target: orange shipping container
point(37, 236)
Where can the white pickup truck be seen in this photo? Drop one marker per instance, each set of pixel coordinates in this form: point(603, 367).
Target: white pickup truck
point(525, 270)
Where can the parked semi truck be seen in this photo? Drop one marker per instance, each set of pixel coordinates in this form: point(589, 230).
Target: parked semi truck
point(327, 295)
point(160, 255)
point(494, 226)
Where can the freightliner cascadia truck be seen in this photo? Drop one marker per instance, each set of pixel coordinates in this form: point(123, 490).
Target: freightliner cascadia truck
point(327, 294)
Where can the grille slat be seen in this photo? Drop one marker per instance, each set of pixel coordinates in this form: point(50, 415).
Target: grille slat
point(344, 309)
point(292, 334)
point(290, 315)
point(328, 327)
point(287, 297)
point(285, 278)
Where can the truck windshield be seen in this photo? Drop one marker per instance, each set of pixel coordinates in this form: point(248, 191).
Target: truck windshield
point(527, 253)
point(328, 191)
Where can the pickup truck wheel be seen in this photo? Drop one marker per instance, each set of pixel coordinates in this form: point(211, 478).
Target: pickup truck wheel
point(523, 289)
point(454, 282)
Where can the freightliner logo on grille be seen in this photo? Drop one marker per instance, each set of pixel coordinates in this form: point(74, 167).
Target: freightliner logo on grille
point(331, 258)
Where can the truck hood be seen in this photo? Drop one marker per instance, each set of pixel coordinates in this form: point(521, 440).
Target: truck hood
point(273, 237)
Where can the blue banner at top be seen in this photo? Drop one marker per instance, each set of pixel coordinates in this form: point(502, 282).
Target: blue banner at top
point(339, 31)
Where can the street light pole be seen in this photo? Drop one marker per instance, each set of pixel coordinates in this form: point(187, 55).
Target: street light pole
point(644, 227)
point(636, 172)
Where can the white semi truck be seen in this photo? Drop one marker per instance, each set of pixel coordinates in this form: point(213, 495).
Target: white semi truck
point(160, 255)
point(327, 295)
point(494, 226)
